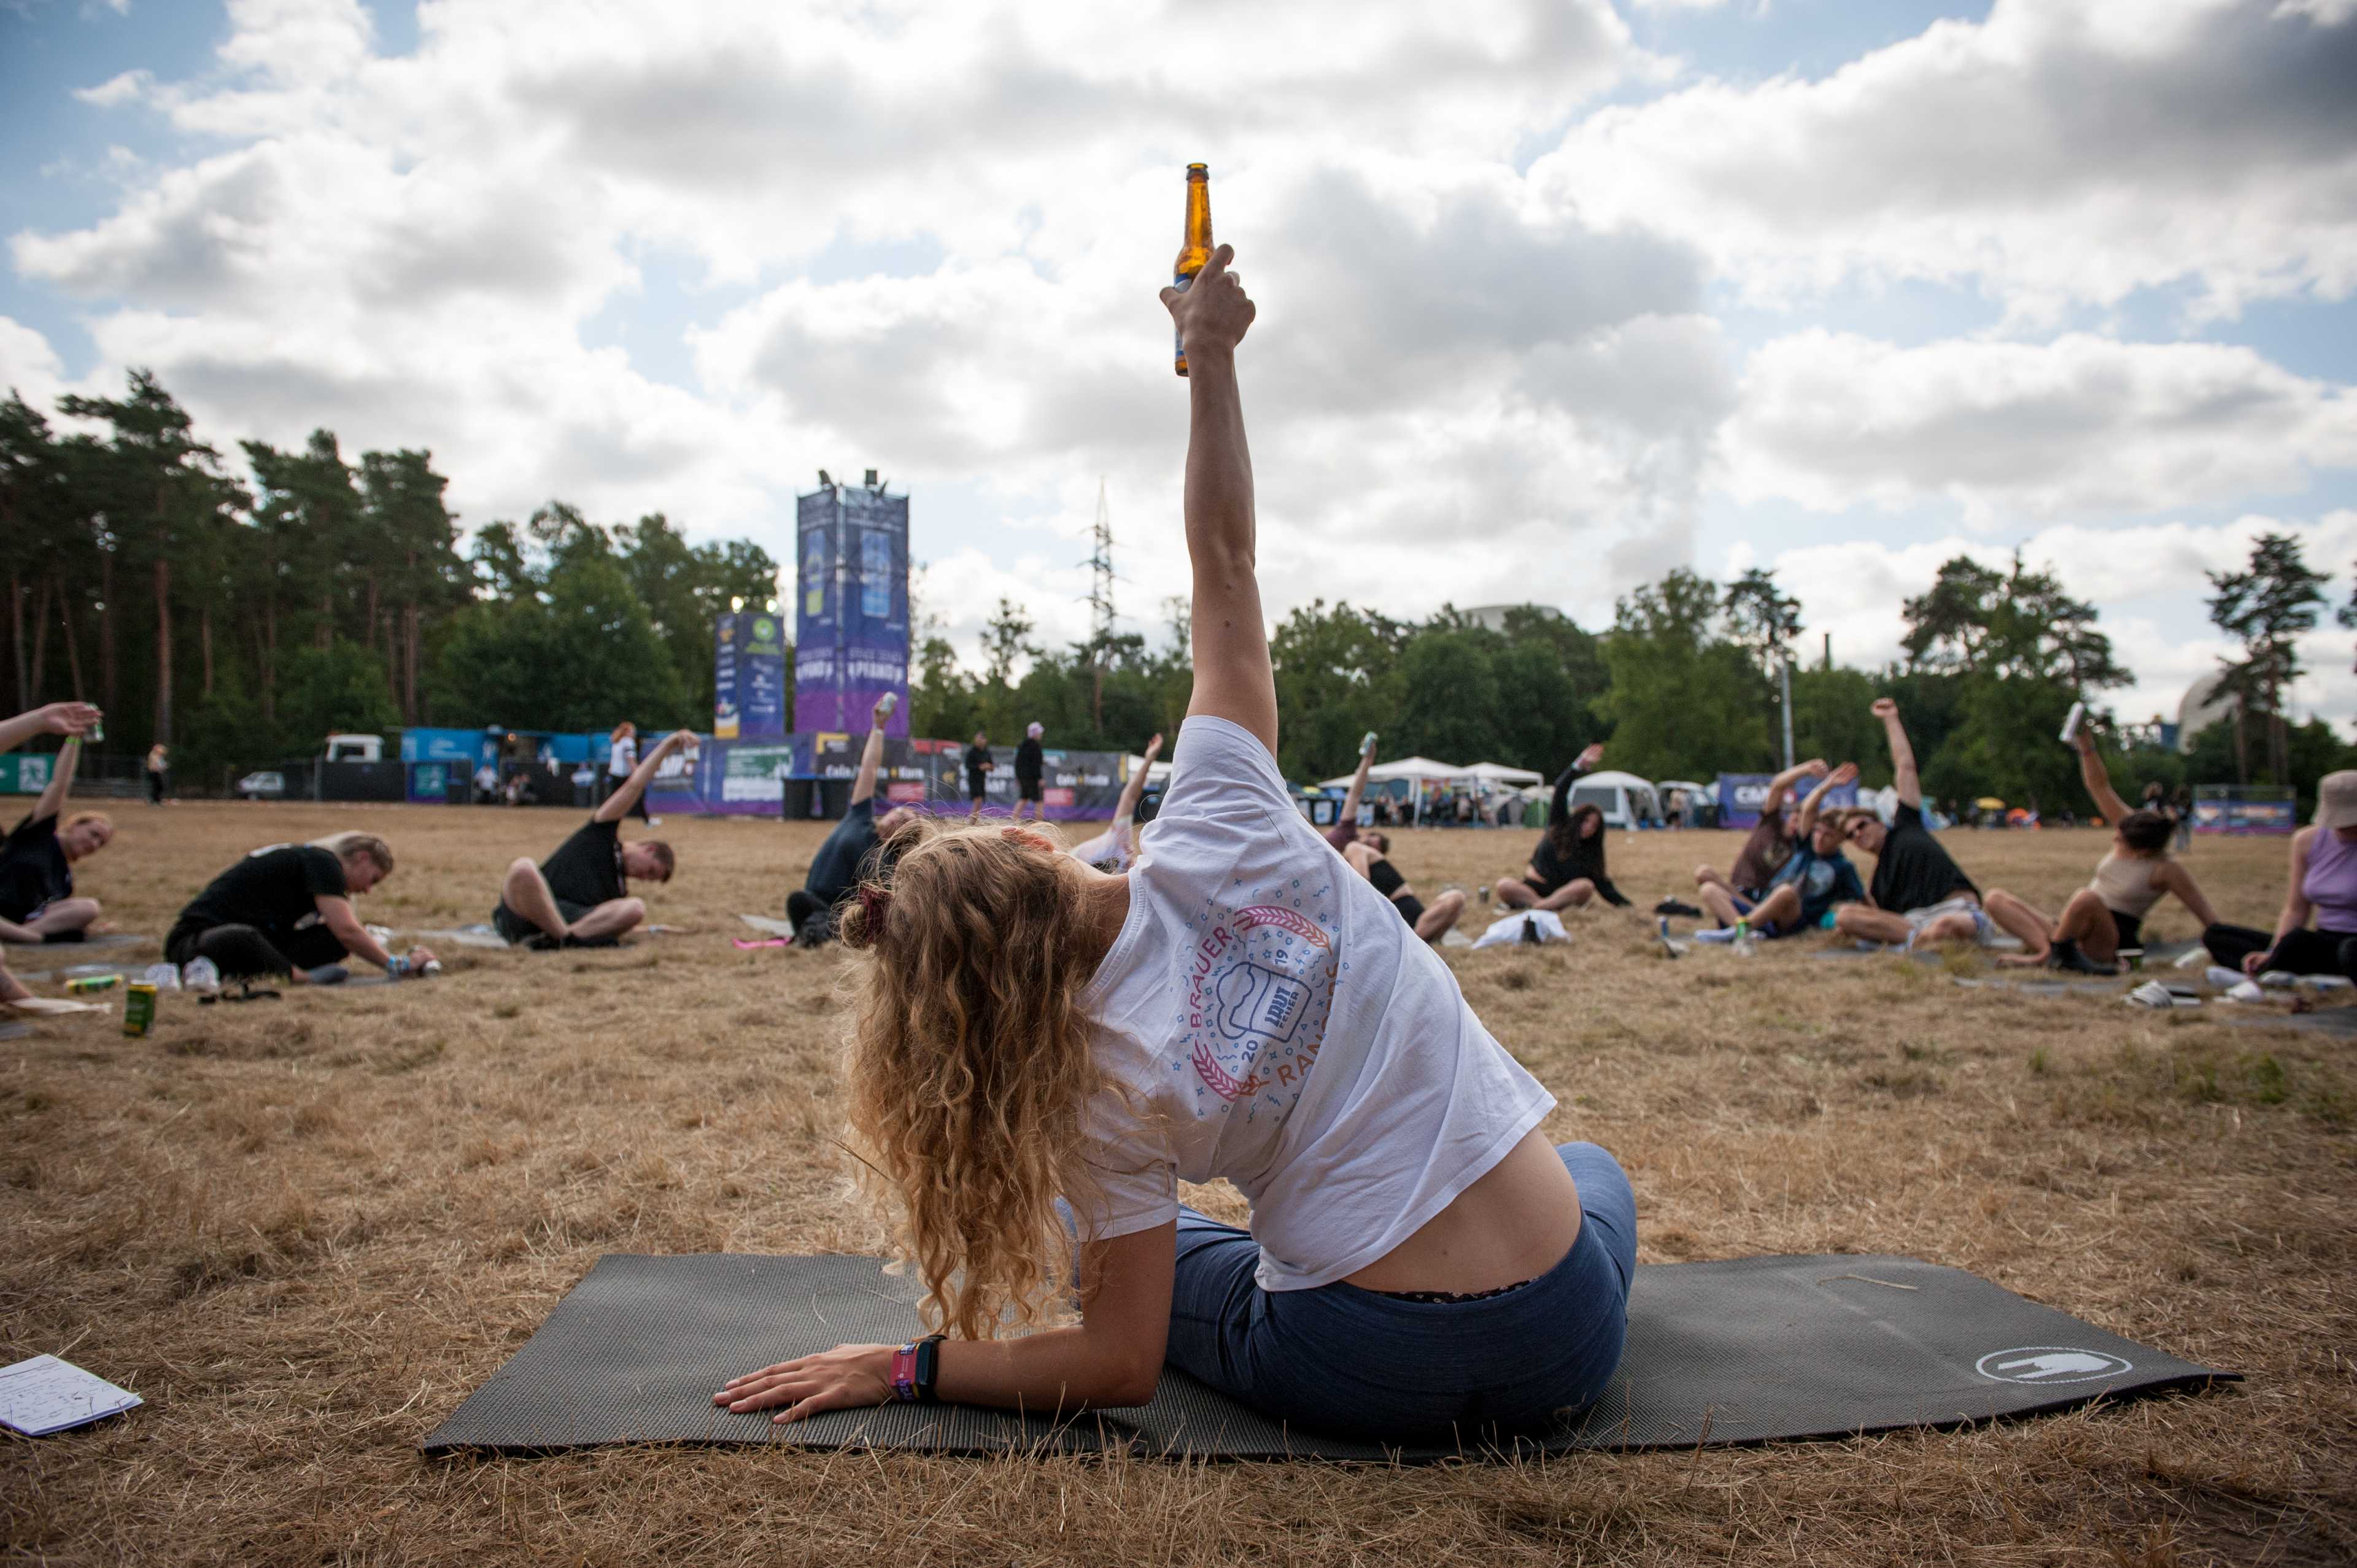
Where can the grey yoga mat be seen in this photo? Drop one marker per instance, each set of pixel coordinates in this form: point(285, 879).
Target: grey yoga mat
point(96, 942)
point(1745, 1350)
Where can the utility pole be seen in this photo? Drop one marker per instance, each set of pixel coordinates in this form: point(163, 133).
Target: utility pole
point(1101, 614)
point(1787, 673)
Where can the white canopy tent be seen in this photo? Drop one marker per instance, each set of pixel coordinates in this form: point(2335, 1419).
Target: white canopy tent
point(1422, 769)
point(1499, 773)
point(1624, 798)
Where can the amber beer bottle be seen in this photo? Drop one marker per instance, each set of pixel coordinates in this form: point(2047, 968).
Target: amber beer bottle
point(1195, 250)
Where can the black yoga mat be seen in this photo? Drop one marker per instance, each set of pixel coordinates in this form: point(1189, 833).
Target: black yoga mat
point(1742, 1351)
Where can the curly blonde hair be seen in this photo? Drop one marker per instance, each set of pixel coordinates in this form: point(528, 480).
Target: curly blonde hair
point(969, 1069)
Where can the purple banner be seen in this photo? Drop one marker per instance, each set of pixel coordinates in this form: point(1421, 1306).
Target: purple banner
point(851, 607)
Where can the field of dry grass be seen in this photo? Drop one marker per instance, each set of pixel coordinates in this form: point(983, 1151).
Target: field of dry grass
point(304, 1230)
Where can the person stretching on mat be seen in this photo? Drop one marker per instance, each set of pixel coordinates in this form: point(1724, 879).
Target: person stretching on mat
point(1567, 869)
point(2107, 915)
point(70, 720)
point(579, 896)
point(36, 887)
point(854, 851)
point(1114, 848)
point(1919, 893)
point(1369, 856)
point(1769, 843)
point(1815, 878)
point(288, 909)
point(1037, 1043)
point(1345, 830)
point(2322, 886)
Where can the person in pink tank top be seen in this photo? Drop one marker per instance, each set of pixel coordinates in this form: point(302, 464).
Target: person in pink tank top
point(2322, 886)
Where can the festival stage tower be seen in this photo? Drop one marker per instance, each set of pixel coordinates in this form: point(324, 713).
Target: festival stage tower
point(851, 607)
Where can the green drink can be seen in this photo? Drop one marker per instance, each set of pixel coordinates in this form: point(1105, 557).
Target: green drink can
point(88, 983)
point(138, 1008)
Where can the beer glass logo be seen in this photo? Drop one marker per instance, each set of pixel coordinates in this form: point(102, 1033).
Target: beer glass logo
point(1259, 988)
point(2036, 1364)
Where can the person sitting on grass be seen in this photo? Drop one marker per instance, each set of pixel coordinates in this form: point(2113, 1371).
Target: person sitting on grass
point(1567, 869)
point(288, 909)
point(1114, 848)
point(1816, 877)
point(2322, 886)
point(1768, 846)
point(1919, 893)
point(70, 720)
point(1042, 1052)
point(579, 896)
point(1345, 830)
point(1369, 856)
point(2107, 915)
point(856, 850)
point(37, 903)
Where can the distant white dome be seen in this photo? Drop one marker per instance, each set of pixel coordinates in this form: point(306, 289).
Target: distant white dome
point(2200, 707)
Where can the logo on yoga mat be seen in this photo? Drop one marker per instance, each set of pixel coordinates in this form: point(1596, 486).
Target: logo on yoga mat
point(2040, 1364)
point(1259, 990)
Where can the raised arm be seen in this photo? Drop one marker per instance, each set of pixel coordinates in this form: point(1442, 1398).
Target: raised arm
point(1585, 760)
point(58, 718)
point(1903, 777)
point(871, 756)
point(1806, 822)
point(626, 794)
point(53, 798)
point(2098, 780)
point(1359, 779)
point(1782, 785)
point(1233, 679)
point(1125, 809)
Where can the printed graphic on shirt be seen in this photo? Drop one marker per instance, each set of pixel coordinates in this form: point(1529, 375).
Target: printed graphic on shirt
point(1259, 984)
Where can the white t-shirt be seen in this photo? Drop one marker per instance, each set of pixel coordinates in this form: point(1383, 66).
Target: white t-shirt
point(1114, 847)
point(623, 759)
point(1277, 1023)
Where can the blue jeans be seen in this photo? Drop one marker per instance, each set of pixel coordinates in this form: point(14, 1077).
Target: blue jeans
point(1357, 1363)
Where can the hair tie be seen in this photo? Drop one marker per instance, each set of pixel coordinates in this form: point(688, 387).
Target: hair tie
point(875, 903)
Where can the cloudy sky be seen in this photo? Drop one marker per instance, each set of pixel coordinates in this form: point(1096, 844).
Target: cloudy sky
point(1555, 294)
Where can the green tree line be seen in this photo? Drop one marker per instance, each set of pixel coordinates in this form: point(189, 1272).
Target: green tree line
point(243, 618)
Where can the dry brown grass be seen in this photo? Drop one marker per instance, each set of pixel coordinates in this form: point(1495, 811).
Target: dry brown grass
point(305, 1231)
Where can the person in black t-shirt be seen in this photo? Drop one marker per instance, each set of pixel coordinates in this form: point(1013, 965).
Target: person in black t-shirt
point(70, 719)
point(1030, 770)
point(36, 887)
point(1566, 868)
point(579, 896)
point(1919, 893)
point(978, 767)
point(287, 909)
point(857, 851)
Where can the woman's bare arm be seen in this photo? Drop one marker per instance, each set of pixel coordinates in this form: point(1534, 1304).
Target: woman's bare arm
point(1234, 679)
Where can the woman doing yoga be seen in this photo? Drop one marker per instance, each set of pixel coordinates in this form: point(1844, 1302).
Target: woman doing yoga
point(1567, 869)
point(1038, 1042)
point(38, 902)
point(2106, 914)
point(288, 909)
point(2322, 886)
point(70, 720)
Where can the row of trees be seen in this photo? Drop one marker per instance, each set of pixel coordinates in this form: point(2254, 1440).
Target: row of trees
point(243, 618)
point(1687, 683)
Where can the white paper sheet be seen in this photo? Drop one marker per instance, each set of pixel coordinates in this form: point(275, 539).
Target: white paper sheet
point(43, 1395)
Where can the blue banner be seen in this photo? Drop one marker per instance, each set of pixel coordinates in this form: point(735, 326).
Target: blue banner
point(727, 703)
point(851, 607)
point(1740, 794)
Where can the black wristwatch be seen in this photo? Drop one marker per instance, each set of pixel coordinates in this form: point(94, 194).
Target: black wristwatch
point(929, 1364)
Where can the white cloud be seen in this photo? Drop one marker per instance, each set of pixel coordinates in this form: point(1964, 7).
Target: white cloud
point(116, 90)
point(2063, 151)
point(2081, 423)
point(29, 366)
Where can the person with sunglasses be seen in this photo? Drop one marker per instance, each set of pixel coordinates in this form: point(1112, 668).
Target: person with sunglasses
point(1919, 893)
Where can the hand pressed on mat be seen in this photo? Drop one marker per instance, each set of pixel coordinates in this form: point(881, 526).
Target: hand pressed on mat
point(841, 1378)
